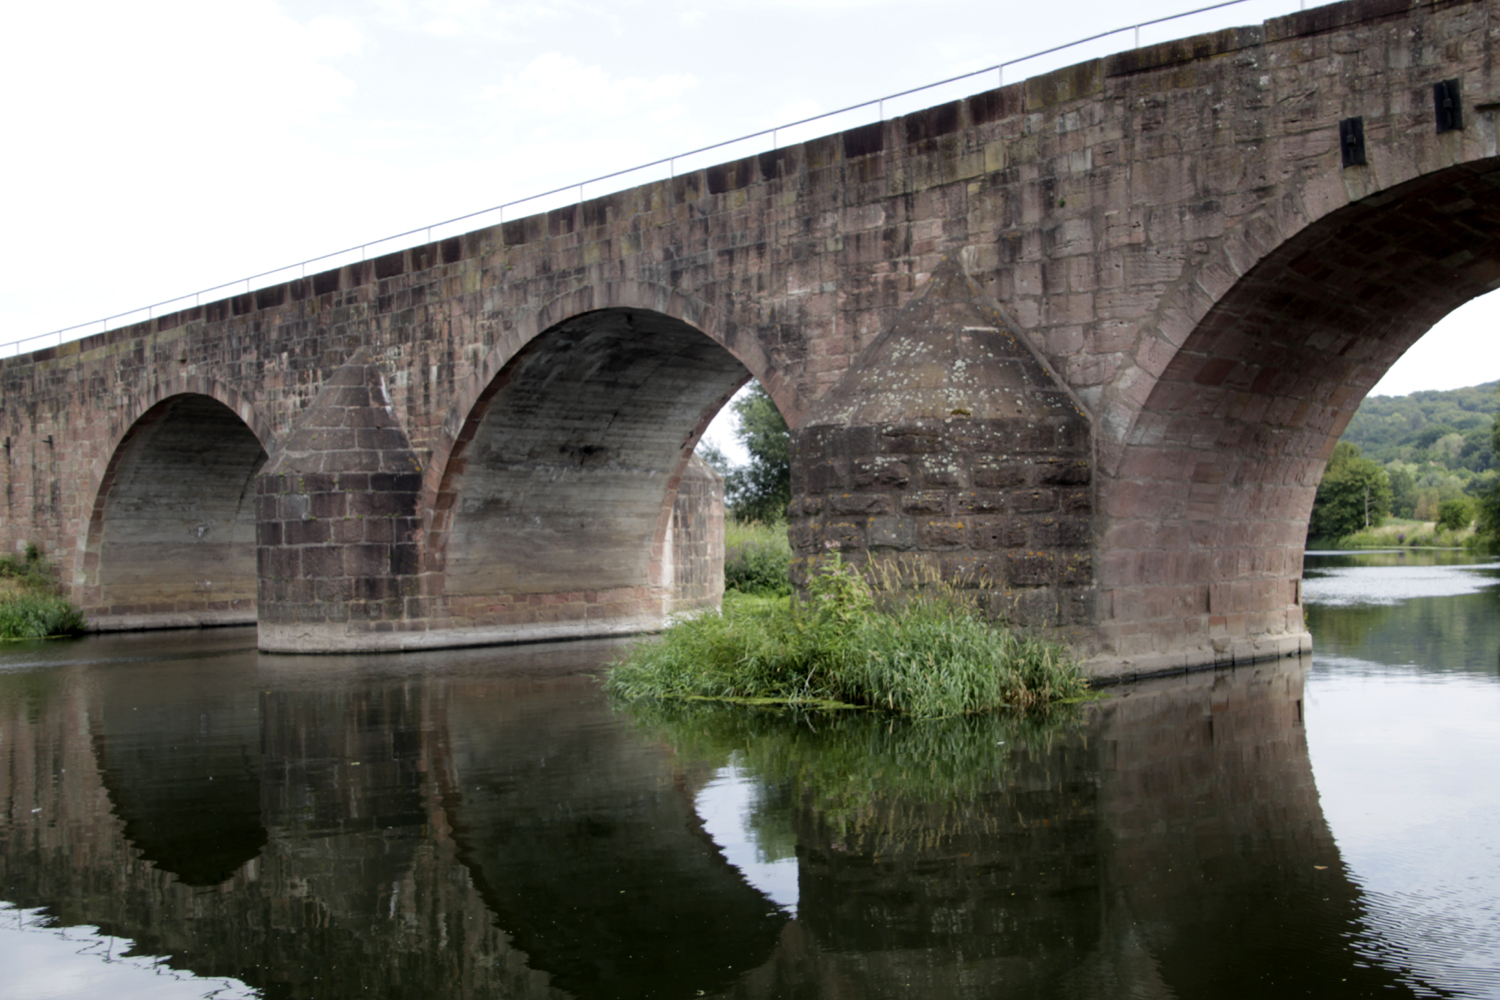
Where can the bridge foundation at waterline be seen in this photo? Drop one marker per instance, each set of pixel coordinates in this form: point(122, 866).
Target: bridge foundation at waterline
point(1085, 341)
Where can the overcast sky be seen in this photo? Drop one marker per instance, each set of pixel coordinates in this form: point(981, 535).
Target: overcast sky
point(163, 146)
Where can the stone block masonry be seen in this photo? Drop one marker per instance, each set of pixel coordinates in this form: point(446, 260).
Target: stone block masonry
point(950, 450)
point(1204, 291)
point(338, 525)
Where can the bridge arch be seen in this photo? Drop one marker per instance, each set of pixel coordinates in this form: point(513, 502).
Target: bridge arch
point(1257, 369)
point(170, 539)
point(642, 296)
point(125, 416)
point(570, 501)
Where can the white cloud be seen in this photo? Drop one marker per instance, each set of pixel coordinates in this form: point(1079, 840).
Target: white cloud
point(93, 73)
point(152, 131)
point(468, 19)
point(559, 91)
point(330, 37)
point(824, 6)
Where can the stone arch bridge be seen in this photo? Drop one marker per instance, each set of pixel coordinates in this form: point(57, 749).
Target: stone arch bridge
point(1087, 340)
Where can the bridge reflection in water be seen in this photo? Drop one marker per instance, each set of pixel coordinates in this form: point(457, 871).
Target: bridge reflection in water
point(474, 824)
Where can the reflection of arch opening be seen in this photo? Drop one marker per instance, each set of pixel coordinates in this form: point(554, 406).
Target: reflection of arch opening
point(172, 537)
point(181, 763)
point(1230, 444)
point(609, 885)
point(568, 495)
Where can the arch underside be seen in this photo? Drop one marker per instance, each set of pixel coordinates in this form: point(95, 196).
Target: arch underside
point(1208, 511)
point(172, 537)
point(571, 503)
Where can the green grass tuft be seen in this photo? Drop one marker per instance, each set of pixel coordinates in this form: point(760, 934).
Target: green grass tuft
point(38, 616)
point(931, 657)
point(30, 605)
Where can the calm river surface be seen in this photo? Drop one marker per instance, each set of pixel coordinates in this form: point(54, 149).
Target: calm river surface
point(184, 818)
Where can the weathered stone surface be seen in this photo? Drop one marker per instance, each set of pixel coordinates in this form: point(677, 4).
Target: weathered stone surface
point(954, 379)
point(1171, 230)
point(696, 560)
point(339, 555)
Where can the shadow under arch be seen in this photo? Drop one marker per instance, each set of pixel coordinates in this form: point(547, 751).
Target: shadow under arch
point(171, 538)
point(1210, 490)
point(570, 503)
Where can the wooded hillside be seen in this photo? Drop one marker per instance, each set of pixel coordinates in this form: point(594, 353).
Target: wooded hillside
point(1450, 428)
point(1429, 455)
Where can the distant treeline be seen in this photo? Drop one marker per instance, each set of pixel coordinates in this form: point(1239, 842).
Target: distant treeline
point(1429, 456)
point(1450, 429)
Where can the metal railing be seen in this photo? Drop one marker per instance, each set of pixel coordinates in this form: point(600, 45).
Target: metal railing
point(247, 284)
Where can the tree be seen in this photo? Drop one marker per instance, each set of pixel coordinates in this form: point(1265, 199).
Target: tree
point(1488, 501)
point(1355, 493)
point(1407, 427)
point(1487, 506)
point(1478, 453)
point(1447, 449)
point(1431, 435)
point(1455, 515)
point(1403, 490)
point(1495, 433)
point(760, 489)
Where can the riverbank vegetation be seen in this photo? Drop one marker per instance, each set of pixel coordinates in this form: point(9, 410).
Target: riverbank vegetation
point(757, 554)
point(1414, 470)
point(757, 559)
point(1408, 533)
point(758, 490)
point(872, 639)
point(30, 605)
point(857, 641)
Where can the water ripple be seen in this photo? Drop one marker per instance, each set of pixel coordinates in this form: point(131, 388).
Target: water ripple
point(1341, 586)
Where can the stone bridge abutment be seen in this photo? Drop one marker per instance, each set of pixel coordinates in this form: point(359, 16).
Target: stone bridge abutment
point(1087, 339)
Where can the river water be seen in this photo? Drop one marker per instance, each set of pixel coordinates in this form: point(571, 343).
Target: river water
point(184, 818)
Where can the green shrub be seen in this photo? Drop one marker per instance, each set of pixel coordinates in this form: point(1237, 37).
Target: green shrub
point(38, 616)
point(29, 570)
point(34, 610)
point(934, 656)
point(757, 558)
point(1455, 515)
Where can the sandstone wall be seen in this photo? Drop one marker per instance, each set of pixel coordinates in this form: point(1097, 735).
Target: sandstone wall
point(1173, 232)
